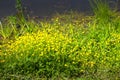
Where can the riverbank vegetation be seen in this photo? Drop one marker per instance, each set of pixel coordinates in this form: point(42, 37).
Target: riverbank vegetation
point(70, 46)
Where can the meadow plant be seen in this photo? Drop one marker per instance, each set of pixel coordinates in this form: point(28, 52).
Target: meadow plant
point(102, 10)
point(42, 50)
point(5, 31)
point(14, 26)
point(64, 48)
point(50, 52)
point(19, 9)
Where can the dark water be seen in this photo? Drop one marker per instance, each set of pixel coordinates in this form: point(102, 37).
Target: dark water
point(44, 7)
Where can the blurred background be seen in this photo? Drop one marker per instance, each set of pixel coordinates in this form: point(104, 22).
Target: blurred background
point(45, 7)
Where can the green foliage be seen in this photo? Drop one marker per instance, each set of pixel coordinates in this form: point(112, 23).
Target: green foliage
point(64, 49)
point(11, 28)
point(84, 48)
point(19, 9)
point(102, 10)
point(14, 26)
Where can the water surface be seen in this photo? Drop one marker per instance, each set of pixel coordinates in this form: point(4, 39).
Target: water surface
point(44, 7)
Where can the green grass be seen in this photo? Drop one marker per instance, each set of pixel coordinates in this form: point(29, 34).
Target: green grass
point(68, 46)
